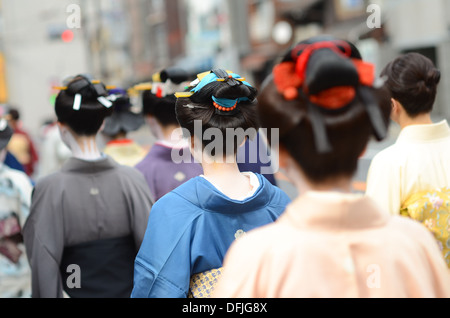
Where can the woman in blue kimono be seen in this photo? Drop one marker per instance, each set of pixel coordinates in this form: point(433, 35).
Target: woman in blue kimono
point(191, 228)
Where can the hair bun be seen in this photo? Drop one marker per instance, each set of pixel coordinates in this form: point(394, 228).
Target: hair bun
point(428, 84)
point(174, 74)
point(86, 88)
point(224, 90)
point(433, 77)
point(326, 69)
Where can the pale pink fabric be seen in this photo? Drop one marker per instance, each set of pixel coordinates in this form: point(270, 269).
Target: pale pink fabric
point(335, 245)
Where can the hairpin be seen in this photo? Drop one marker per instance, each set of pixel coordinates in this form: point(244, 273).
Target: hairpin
point(99, 90)
point(184, 94)
point(143, 86)
point(64, 88)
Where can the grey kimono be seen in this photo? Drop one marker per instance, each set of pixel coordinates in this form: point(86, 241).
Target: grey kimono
point(88, 219)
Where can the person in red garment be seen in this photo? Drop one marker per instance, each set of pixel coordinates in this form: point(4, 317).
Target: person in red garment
point(21, 144)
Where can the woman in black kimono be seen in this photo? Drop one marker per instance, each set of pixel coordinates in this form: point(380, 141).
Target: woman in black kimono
point(87, 221)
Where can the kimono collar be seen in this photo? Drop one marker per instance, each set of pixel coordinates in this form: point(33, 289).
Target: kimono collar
point(334, 211)
point(424, 133)
point(83, 166)
point(207, 197)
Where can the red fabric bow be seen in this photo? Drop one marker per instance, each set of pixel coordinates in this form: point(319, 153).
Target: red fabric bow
point(290, 76)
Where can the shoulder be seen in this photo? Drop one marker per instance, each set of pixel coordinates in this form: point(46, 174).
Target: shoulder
point(188, 189)
point(412, 232)
point(16, 181)
point(49, 180)
point(187, 192)
point(277, 195)
point(16, 176)
point(131, 175)
point(180, 203)
point(263, 242)
point(145, 163)
point(390, 155)
point(128, 172)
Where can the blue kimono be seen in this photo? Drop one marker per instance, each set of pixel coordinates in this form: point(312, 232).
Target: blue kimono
point(190, 230)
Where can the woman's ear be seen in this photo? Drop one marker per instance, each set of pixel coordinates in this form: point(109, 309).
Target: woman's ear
point(60, 125)
point(396, 109)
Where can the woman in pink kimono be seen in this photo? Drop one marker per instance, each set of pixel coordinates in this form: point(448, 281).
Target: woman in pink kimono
point(330, 242)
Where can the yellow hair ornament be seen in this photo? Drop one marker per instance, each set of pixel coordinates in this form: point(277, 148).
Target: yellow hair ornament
point(63, 88)
point(143, 87)
point(183, 94)
point(60, 88)
point(202, 75)
point(156, 77)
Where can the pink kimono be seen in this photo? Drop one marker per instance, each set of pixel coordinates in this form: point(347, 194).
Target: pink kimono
point(329, 244)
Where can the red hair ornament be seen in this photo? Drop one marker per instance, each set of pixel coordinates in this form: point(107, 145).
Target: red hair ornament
point(290, 76)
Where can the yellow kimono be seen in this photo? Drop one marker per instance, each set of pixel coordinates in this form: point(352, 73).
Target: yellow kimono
point(432, 209)
point(412, 178)
point(125, 152)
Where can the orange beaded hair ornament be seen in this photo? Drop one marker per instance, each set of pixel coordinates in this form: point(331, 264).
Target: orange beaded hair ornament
point(223, 106)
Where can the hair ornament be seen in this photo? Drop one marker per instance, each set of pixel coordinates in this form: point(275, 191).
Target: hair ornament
point(77, 102)
point(290, 76)
point(184, 94)
point(105, 101)
point(143, 86)
point(96, 86)
point(328, 78)
point(223, 106)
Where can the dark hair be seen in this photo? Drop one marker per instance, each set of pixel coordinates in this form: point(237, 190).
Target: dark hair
point(200, 107)
point(163, 108)
point(87, 120)
point(347, 129)
point(122, 120)
point(14, 114)
point(412, 80)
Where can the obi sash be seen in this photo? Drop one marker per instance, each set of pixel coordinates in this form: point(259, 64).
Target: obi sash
point(106, 268)
point(202, 284)
point(432, 209)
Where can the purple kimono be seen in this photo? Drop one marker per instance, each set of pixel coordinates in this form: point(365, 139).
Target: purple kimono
point(162, 173)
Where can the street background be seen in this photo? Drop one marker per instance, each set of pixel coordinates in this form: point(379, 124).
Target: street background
point(124, 42)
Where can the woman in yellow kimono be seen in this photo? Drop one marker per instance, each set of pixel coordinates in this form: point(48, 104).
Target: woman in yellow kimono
point(412, 177)
point(117, 127)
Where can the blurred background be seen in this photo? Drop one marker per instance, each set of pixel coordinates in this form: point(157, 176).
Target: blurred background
point(123, 42)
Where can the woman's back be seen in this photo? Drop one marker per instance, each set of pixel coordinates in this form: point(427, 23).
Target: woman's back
point(86, 221)
point(353, 248)
point(87, 208)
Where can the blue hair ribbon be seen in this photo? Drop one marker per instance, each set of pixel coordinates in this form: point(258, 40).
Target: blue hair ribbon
point(224, 102)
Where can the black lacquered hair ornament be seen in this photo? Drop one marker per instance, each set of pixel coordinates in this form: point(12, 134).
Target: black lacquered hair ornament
point(329, 78)
point(82, 86)
point(208, 85)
